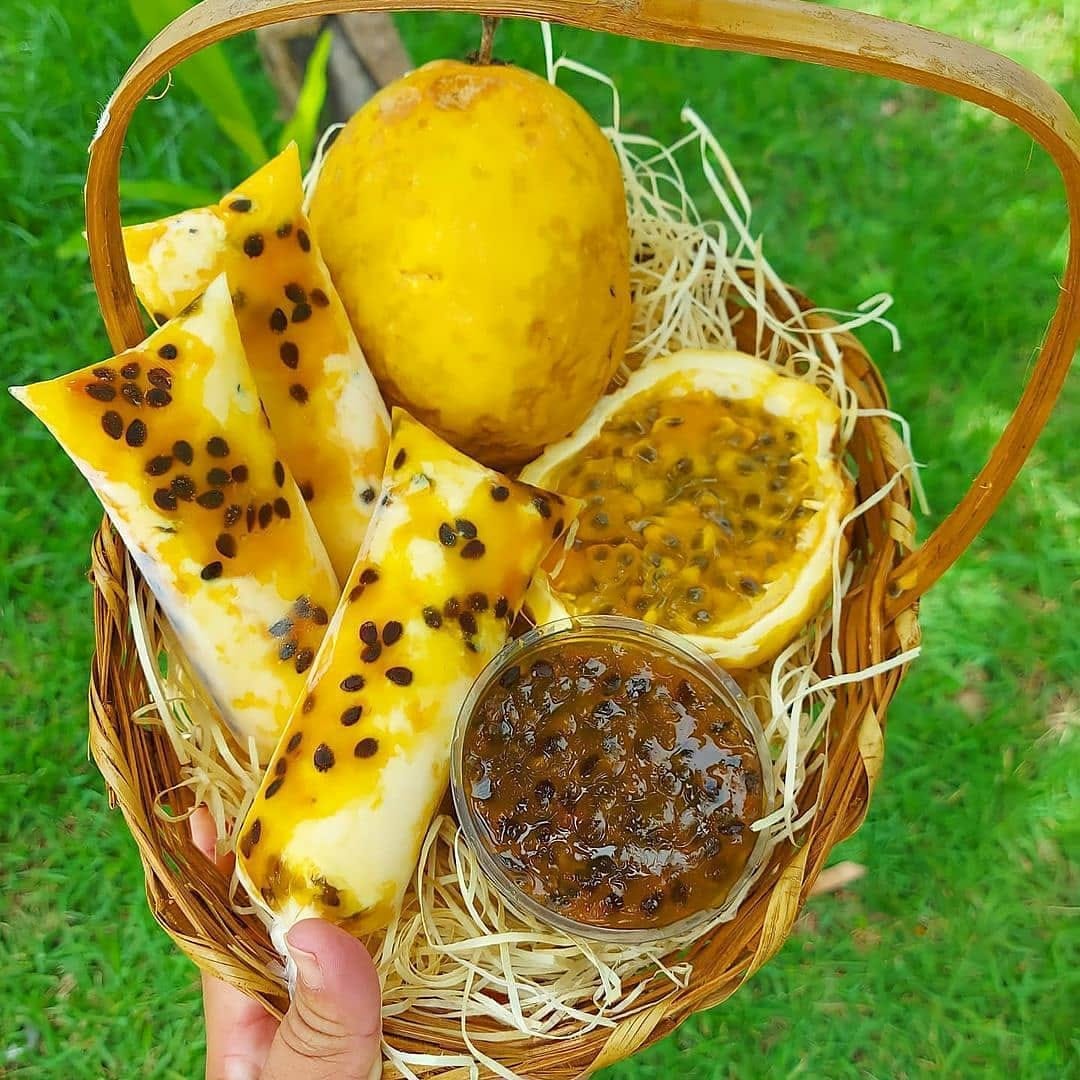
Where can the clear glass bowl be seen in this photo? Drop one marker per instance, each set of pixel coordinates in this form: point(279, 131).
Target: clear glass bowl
point(607, 629)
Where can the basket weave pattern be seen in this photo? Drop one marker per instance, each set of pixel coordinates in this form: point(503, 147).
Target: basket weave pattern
point(189, 896)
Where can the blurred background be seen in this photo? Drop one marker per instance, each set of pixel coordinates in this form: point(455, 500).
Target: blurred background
point(956, 952)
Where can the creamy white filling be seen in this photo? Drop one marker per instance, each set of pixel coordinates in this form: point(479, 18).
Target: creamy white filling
point(362, 419)
point(184, 257)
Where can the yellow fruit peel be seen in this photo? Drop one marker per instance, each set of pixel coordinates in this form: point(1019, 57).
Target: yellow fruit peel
point(490, 291)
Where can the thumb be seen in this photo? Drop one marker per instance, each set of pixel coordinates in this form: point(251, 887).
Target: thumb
point(333, 1027)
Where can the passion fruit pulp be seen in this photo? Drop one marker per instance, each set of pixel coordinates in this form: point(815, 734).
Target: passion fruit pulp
point(713, 498)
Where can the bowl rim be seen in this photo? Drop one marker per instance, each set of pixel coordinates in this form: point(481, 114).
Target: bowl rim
point(719, 680)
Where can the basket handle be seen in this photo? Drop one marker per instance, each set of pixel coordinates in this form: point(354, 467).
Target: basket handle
point(789, 29)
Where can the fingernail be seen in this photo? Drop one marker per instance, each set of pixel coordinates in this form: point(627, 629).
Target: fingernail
point(241, 1070)
point(307, 966)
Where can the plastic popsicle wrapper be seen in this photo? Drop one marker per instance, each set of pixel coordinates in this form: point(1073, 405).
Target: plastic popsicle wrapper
point(173, 440)
point(336, 827)
point(329, 418)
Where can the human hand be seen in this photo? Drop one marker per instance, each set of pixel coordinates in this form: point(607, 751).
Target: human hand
point(333, 1027)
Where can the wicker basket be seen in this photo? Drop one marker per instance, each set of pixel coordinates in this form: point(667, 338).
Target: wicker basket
point(188, 895)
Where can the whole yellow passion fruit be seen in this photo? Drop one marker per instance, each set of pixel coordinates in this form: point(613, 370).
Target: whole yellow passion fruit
point(474, 221)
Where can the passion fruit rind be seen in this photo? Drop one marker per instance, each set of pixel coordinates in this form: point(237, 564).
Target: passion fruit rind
point(714, 499)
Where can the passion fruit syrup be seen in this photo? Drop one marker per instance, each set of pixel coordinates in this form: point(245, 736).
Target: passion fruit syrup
point(612, 783)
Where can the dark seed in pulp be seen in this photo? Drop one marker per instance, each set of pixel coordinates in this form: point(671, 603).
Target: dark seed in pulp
point(474, 549)
point(112, 424)
point(159, 465)
point(101, 392)
point(183, 487)
point(251, 838)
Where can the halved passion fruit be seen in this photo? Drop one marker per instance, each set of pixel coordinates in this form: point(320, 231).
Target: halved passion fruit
point(714, 496)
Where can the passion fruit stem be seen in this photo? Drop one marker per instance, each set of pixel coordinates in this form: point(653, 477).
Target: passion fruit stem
point(487, 39)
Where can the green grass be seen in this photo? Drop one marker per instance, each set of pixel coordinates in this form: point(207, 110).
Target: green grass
point(957, 955)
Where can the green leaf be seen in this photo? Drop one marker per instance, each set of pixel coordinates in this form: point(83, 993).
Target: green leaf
point(303, 125)
point(170, 192)
point(210, 77)
point(74, 247)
